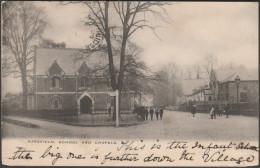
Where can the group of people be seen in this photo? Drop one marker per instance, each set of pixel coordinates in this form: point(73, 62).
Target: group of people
point(157, 111)
point(214, 111)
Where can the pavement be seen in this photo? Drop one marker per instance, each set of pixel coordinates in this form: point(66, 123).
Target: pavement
point(175, 125)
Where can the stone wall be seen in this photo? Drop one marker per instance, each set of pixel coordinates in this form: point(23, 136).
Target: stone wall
point(251, 88)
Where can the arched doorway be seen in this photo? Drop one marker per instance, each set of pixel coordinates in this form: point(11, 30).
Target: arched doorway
point(85, 105)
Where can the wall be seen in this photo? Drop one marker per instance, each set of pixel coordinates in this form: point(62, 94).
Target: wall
point(67, 84)
point(251, 88)
point(69, 101)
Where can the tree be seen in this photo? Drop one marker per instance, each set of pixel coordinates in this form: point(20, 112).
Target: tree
point(198, 70)
point(232, 65)
point(130, 18)
point(210, 63)
point(168, 88)
point(51, 44)
point(23, 23)
point(190, 72)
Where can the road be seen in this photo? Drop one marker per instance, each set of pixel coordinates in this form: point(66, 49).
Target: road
point(175, 125)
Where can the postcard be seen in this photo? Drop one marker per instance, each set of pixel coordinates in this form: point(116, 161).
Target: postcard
point(129, 83)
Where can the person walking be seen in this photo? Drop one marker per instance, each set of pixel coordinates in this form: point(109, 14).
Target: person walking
point(211, 113)
point(193, 110)
point(146, 113)
point(151, 112)
point(161, 113)
point(157, 113)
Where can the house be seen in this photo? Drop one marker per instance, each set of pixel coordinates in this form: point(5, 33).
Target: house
point(62, 81)
point(194, 89)
point(225, 87)
point(201, 94)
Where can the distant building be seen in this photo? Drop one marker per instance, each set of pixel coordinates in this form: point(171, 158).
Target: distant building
point(201, 94)
point(194, 89)
point(62, 82)
point(225, 88)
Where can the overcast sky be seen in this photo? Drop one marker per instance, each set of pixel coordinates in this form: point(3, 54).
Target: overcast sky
point(227, 30)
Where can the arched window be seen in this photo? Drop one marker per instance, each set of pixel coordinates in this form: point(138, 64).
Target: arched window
point(55, 82)
point(55, 102)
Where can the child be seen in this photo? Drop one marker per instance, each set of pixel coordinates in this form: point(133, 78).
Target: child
point(211, 113)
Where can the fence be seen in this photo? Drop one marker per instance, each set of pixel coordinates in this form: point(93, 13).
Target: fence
point(96, 118)
point(100, 118)
point(234, 109)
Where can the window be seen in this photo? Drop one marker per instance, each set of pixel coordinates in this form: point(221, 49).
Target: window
point(56, 104)
point(209, 98)
point(242, 96)
point(83, 82)
point(55, 82)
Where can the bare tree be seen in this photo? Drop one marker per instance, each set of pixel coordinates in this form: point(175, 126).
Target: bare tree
point(198, 70)
point(190, 72)
point(51, 44)
point(168, 88)
point(210, 63)
point(22, 24)
point(130, 17)
point(232, 65)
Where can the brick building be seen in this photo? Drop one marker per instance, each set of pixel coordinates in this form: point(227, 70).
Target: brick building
point(225, 88)
point(61, 82)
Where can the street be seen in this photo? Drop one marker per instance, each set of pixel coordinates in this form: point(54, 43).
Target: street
point(175, 125)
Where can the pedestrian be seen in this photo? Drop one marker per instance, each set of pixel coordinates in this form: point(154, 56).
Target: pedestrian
point(193, 110)
point(109, 111)
point(146, 113)
point(211, 113)
point(157, 113)
point(151, 113)
point(161, 113)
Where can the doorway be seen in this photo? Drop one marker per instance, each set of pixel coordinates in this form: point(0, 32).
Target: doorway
point(85, 105)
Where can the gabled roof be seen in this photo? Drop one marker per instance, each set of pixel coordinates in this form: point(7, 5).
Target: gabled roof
point(224, 75)
point(83, 67)
point(66, 59)
point(55, 68)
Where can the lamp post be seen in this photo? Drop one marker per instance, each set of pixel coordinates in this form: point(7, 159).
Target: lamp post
point(237, 80)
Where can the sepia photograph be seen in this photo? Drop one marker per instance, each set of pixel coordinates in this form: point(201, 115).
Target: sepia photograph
point(129, 83)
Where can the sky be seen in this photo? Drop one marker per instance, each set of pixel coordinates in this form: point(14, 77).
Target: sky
point(227, 30)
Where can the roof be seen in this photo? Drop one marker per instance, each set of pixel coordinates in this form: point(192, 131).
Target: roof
point(188, 85)
point(65, 58)
point(224, 75)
